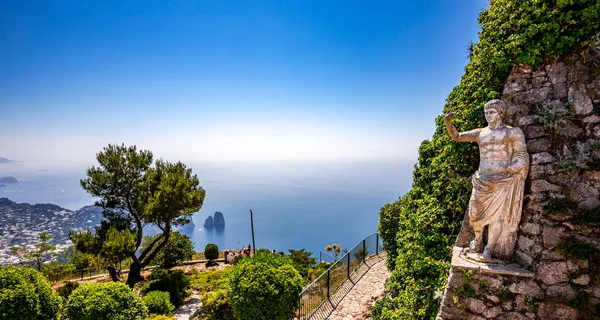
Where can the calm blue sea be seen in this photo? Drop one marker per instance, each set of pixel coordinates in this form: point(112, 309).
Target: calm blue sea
point(295, 206)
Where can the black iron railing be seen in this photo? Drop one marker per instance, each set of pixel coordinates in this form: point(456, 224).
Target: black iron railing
point(318, 299)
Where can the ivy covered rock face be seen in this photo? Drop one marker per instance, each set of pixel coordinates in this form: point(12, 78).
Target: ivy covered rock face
point(26, 294)
point(514, 34)
point(111, 300)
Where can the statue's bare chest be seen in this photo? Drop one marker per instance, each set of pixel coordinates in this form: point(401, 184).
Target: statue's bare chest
point(495, 141)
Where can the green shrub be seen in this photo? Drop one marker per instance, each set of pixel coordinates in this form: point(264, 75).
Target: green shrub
point(213, 286)
point(66, 290)
point(512, 32)
point(158, 302)
point(55, 271)
point(317, 270)
point(302, 261)
point(264, 287)
point(26, 294)
point(216, 305)
point(207, 281)
point(211, 252)
point(158, 273)
point(110, 300)
point(178, 249)
point(175, 282)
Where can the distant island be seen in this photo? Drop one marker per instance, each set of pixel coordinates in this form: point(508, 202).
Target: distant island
point(217, 222)
point(2, 185)
point(8, 179)
point(5, 160)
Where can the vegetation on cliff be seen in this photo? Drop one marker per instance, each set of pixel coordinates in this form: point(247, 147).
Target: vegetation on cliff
point(419, 243)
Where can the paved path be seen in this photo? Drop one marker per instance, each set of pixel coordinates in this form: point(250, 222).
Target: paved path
point(190, 308)
point(356, 303)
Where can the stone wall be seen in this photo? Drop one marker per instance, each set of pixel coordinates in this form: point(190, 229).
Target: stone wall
point(556, 270)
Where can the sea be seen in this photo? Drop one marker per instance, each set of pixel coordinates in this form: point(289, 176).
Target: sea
point(294, 205)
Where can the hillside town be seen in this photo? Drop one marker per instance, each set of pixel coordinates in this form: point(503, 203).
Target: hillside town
point(21, 223)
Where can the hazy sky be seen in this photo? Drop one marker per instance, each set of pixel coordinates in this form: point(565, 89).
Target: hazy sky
point(228, 80)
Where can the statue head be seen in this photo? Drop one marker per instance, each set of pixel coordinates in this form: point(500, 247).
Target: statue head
point(494, 110)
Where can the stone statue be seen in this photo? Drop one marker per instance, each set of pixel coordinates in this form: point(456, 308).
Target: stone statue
point(498, 185)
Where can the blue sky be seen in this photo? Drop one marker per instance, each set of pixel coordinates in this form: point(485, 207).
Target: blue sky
point(228, 80)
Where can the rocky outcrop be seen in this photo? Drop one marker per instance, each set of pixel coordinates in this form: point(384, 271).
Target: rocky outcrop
point(219, 220)
point(558, 246)
point(209, 223)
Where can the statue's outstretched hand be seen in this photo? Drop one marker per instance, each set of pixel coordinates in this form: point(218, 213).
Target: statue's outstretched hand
point(449, 116)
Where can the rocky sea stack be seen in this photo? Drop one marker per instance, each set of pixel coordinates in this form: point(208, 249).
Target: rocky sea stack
point(209, 223)
point(219, 220)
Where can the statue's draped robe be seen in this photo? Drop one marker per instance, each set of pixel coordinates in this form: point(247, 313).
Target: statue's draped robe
point(496, 201)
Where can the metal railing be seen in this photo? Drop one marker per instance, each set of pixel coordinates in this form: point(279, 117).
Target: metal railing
point(319, 298)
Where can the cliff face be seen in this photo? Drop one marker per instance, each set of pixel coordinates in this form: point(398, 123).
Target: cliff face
point(556, 274)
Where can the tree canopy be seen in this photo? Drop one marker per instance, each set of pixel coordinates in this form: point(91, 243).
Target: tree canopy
point(136, 191)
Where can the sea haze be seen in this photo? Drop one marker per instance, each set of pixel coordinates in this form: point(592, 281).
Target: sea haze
point(295, 206)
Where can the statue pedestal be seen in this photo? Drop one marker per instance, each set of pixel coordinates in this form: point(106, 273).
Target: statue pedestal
point(461, 260)
point(491, 290)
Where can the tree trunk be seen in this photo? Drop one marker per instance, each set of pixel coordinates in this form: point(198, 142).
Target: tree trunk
point(135, 274)
point(113, 274)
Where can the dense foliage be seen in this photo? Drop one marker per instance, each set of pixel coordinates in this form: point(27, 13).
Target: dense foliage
point(175, 282)
point(389, 222)
point(214, 294)
point(512, 32)
point(158, 302)
point(55, 271)
point(302, 261)
point(264, 287)
point(211, 280)
point(216, 305)
point(179, 248)
point(26, 294)
point(111, 300)
point(66, 290)
point(211, 251)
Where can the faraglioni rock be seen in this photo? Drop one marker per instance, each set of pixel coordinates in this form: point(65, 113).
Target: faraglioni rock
point(219, 219)
point(209, 223)
point(8, 180)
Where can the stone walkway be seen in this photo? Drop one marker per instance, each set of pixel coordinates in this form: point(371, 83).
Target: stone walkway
point(363, 295)
point(189, 309)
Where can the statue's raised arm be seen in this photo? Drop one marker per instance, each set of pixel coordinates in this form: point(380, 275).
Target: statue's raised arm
point(468, 136)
